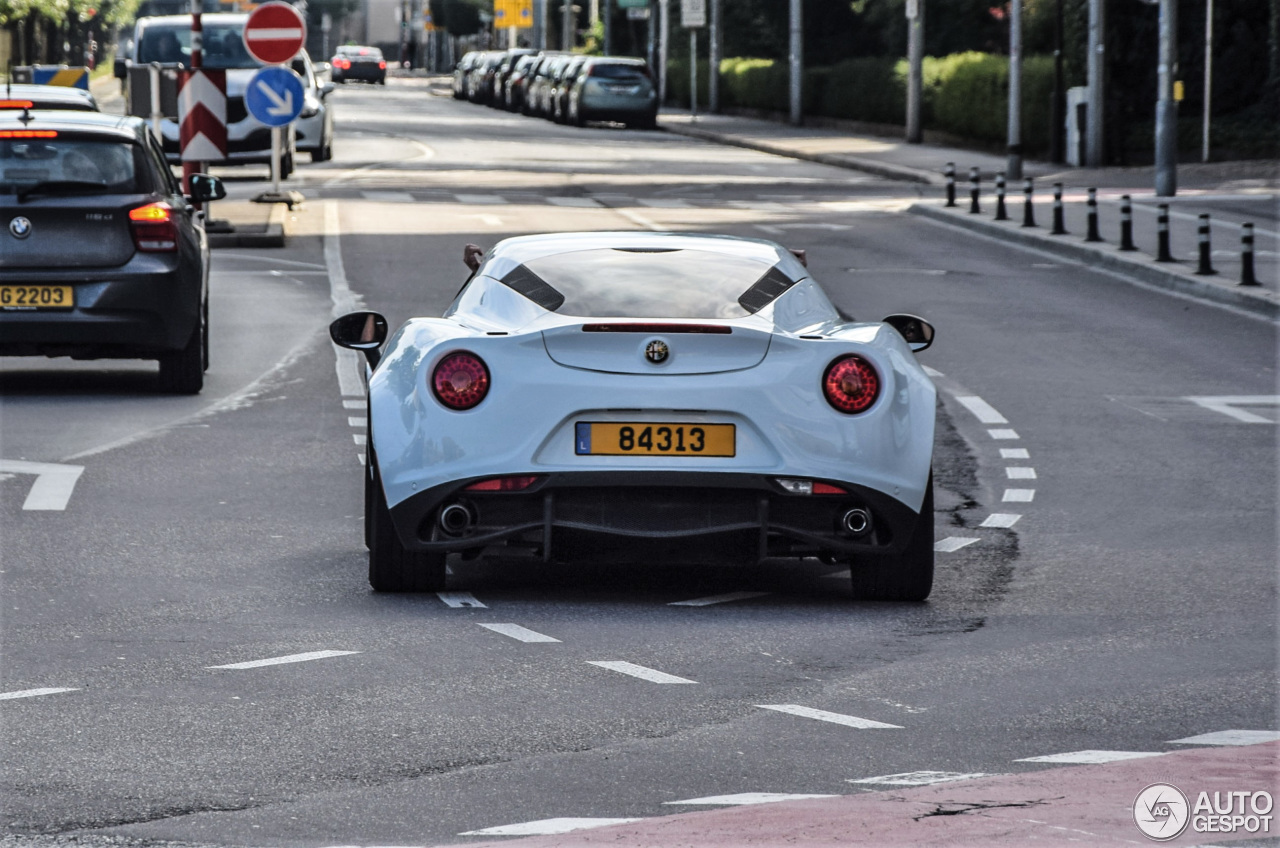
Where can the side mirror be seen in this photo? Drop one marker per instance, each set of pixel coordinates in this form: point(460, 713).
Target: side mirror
point(473, 256)
point(205, 188)
point(362, 331)
point(917, 332)
point(326, 89)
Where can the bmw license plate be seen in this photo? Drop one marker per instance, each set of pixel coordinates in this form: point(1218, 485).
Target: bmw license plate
point(598, 438)
point(37, 297)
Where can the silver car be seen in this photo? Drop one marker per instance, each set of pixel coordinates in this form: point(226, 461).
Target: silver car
point(619, 90)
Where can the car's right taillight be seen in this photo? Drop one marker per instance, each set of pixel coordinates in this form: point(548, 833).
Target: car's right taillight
point(154, 230)
point(461, 380)
point(851, 384)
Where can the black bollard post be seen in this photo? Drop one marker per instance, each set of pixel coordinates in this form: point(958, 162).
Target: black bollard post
point(950, 173)
point(1028, 211)
point(1247, 277)
point(1001, 213)
point(1205, 268)
point(1093, 216)
point(974, 181)
point(1059, 224)
point(1163, 254)
point(1126, 223)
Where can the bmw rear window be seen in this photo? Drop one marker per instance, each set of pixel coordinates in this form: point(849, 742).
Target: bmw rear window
point(629, 283)
point(70, 165)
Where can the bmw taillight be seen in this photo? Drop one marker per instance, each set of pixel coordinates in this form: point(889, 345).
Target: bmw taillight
point(154, 230)
point(461, 380)
point(851, 384)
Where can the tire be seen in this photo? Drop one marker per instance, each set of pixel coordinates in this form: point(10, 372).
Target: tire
point(182, 372)
point(286, 166)
point(906, 577)
point(391, 567)
point(324, 153)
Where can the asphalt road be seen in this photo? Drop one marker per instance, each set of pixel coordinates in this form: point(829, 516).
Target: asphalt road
point(1130, 603)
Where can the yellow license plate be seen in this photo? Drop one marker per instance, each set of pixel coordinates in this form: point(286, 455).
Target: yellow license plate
point(597, 438)
point(37, 297)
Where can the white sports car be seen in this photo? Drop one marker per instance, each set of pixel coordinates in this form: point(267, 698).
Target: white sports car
point(643, 397)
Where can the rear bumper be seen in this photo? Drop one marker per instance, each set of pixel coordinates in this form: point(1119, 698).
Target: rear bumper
point(633, 515)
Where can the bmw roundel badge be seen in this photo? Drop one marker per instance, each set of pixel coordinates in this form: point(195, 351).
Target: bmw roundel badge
point(656, 351)
point(20, 227)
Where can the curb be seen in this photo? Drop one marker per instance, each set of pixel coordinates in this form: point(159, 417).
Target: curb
point(1260, 302)
point(270, 234)
point(856, 163)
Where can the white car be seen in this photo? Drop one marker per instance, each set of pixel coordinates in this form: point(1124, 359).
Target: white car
point(643, 397)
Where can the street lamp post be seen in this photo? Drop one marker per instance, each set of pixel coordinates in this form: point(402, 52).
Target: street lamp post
point(1166, 106)
point(1014, 167)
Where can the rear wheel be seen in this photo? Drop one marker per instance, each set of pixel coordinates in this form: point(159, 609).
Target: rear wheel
point(905, 577)
point(182, 372)
point(392, 568)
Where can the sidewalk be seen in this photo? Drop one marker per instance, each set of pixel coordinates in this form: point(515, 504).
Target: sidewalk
point(1231, 192)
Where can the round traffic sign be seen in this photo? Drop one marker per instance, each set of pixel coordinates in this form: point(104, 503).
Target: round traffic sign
point(274, 33)
point(274, 95)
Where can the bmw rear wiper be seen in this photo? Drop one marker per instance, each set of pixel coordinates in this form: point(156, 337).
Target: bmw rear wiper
point(60, 187)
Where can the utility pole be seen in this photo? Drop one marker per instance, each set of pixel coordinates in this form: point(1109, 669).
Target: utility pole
point(1013, 170)
point(1166, 106)
point(1208, 77)
point(608, 27)
point(795, 57)
point(664, 50)
point(1097, 70)
point(566, 37)
point(1057, 104)
point(715, 48)
point(915, 71)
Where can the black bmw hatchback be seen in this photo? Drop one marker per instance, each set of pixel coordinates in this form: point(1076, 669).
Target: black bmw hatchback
point(101, 254)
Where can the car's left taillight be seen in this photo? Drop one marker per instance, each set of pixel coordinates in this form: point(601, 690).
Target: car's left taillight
point(382, 66)
point(154, 230)
point(461, 380)
point(851, 384)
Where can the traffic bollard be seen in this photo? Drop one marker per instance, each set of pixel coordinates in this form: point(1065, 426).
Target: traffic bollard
point(1001, 213)
point(974, 181)
point(950, 173)
point(1059, 224)
point(1092, 206)
point(1163, 254)
point(1126, 223)
point(1205, 268)
point(1028, 211)
point(1247, 277)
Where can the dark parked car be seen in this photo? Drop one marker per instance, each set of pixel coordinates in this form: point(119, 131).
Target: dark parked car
point(101, 254)
point(460, 72)
point(354, 62)
point(558, 99)
point(502, 75)
point(517, 82)
point(480, 79)
point(28, 96)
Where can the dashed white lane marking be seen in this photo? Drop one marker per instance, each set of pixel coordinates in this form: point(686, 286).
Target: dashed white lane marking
point(932, 372)
point(659, 203)
point(347, 363)
point(360, 439)
point(742, 799)
point(521, 634)
point(53, 486)
point(639, 671)
point(457, 600)
point(388, 196)
point(1003, 434)
point(982, 410)
point(578, 202)
point(920, 778)
point(1014, 472)
point(951, 544)
point(545, 827)
point(1001, 519)
point(1090, 757)
point(356, 422)
point(358, 403)
point(640, 220)
point(481, 199)
point(717, 599)
point(1019, 495)
point(834, 718)
point(1227, 406)
point(32, 693)
point(291, 658)
point(1230, 737)
point(1014, 453)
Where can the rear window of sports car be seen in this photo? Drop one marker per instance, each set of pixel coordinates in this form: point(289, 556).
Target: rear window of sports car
point(632, 283)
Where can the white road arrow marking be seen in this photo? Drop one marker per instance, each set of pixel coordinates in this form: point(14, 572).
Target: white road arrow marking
point(279, 105)
point(54, 483)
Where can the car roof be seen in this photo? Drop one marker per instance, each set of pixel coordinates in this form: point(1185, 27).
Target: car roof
point(123, 127)
point(78, 97)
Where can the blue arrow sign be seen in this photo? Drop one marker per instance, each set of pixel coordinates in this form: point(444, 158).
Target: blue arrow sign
point(274, 95)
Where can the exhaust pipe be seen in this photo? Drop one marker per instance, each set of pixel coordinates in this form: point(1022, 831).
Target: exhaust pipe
point(455, 519)
point(856, 522)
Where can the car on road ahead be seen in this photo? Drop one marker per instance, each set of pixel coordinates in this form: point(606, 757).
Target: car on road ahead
point(644, 397)
point(46, 97)
point(101, 255)
point(356, 62)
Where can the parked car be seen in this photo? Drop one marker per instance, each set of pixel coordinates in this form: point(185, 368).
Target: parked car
point(313, 127)
point(502, 75)
point(614, 90)
point(517, 81)
point(101, 256)
point(356, 62)
point(656, 397)
point(480, 78)
point(539, 99)
point(558, 98)
point(46, 97)
point(460, 72)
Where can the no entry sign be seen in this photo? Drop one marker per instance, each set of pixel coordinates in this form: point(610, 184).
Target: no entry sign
point(274, 33)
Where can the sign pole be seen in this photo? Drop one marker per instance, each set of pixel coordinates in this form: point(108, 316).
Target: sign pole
point(275, 160)
point(197, 62)
point(693, 75)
